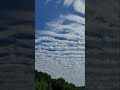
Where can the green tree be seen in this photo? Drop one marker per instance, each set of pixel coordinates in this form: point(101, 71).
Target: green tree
point(43, 81)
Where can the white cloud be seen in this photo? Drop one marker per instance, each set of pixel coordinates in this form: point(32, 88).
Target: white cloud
point(47, 1)
point(79, 5)
point(68, 2)
point(58, 55)
point(61, 46)
point(75, 18)
point(75, 27)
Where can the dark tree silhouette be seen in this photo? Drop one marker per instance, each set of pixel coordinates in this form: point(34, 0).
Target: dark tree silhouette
point(43, 81)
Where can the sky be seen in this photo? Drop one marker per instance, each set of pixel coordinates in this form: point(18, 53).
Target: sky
point(60, 39)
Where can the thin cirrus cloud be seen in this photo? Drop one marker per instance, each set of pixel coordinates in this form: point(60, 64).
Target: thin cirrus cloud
point(79, 5)
point(60, 46)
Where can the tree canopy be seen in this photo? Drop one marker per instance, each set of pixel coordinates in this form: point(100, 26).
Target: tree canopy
point(43, 81)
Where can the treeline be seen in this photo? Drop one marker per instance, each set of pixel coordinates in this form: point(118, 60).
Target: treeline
point(43, 81)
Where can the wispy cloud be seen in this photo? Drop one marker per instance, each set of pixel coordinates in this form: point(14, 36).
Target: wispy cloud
point(79, 5)
point(60, 47)
point(61, 44)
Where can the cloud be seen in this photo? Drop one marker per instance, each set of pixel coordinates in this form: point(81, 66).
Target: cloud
point(59, 50)
point(47, 1)
point(75, 18)
point(79, 5)
point(76, 26)
point(68, 2)
point(60, 47)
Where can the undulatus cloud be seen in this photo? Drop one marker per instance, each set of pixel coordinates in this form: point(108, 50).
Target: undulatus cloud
point(60, 48)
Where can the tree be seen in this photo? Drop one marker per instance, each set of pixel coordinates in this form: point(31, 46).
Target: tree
point(43, 81)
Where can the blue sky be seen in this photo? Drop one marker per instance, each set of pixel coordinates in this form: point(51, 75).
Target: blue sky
point(45, 12)
point(60, 39)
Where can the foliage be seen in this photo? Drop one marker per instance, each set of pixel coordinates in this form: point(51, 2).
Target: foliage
point(44, 81)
